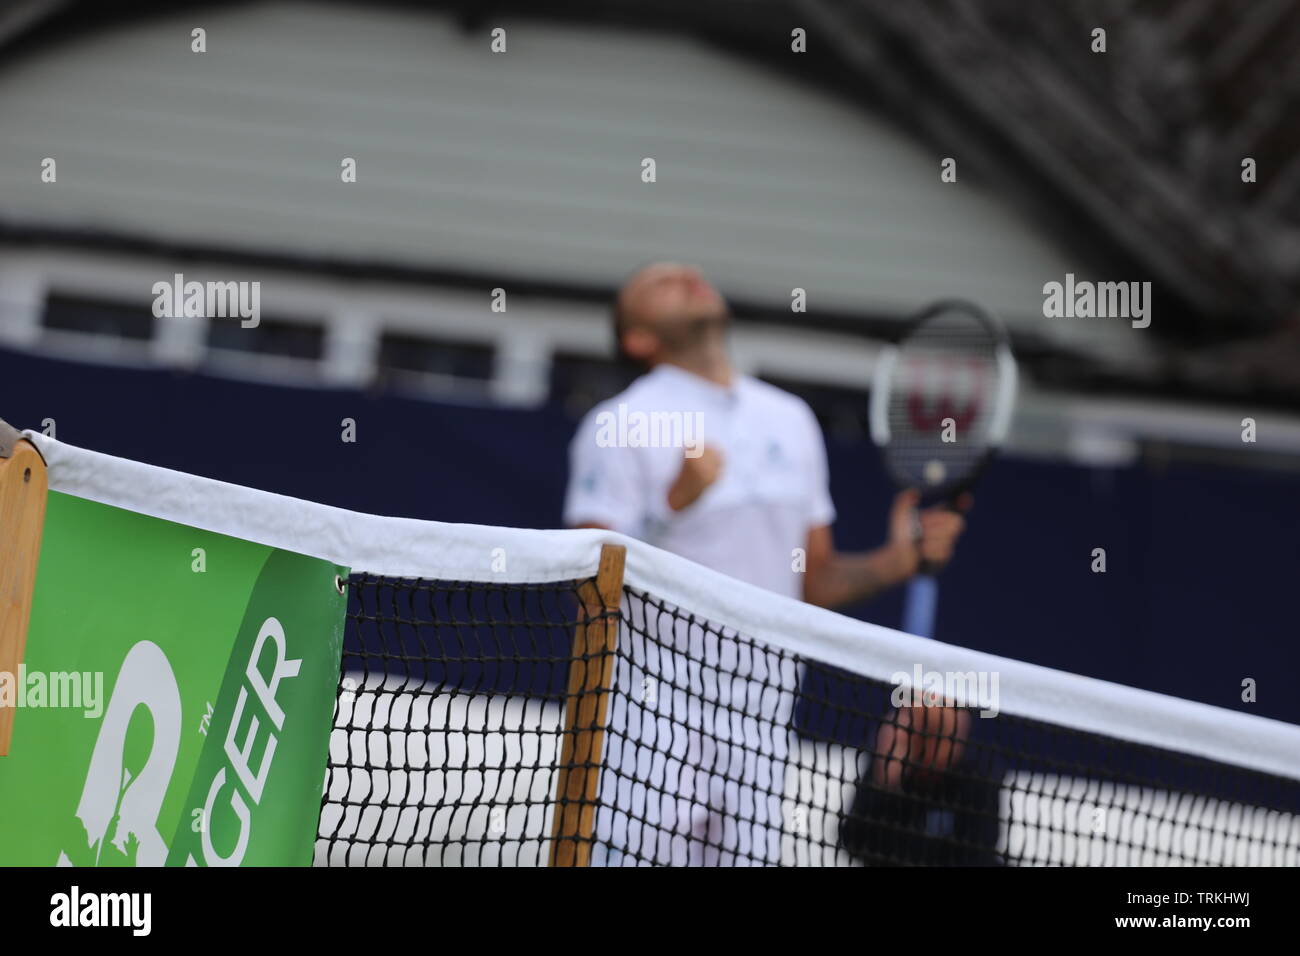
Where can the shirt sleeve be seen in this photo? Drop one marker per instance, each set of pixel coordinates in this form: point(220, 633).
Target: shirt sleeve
point(606, 486)
point(821, 510)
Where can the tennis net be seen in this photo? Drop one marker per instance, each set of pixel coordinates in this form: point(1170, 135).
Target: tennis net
point(724, 750)
point(512, 697)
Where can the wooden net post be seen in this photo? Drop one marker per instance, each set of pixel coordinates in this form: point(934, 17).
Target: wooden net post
point(22, 516)
point(590, 678)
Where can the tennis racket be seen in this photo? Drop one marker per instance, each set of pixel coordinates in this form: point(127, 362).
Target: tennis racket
point(941, 404)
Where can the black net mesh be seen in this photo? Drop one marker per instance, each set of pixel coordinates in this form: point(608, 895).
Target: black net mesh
point(720, 750)
point(447, 726)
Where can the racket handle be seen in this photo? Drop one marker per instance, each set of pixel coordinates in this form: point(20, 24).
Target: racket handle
point(919, 605)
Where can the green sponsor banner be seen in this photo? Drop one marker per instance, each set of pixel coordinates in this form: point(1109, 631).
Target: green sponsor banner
point(176, 697)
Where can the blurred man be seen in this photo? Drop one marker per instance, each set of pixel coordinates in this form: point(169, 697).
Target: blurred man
point(744, 501)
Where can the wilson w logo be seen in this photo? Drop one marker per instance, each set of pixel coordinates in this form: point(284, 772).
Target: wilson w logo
point(928, 407)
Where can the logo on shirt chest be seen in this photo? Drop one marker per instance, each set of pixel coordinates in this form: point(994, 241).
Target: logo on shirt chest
point(764, 470)
point(763, 456)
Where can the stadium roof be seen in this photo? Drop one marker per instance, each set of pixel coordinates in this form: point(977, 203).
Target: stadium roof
point(525, 167)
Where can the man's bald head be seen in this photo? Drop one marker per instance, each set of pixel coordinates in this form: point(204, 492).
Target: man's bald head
point(668, 312)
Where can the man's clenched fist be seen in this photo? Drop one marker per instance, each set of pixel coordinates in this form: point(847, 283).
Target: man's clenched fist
point(695, 477)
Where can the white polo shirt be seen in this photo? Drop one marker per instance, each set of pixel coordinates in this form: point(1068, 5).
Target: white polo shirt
point(695, 774)
point(773, 488)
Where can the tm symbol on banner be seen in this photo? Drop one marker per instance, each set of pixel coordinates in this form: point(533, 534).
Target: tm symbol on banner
point(205, 720)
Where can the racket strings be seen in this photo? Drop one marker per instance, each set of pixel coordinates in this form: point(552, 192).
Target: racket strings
point(942, 403)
